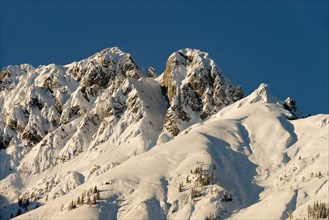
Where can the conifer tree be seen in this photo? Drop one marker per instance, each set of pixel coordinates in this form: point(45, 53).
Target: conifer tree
point(98, 197)
point(82, 198)
point(192, 193)
point(19, 212)
point(27, 203)
point(213, 177)
point(70, 207)
point(88, 201)
point(180, 187)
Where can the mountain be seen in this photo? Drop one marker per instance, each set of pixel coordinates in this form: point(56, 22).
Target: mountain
point(184, 145)
point(194, 88)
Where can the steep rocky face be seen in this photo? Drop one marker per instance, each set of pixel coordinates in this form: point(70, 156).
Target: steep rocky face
point(37, 101)
point(107, 68)
point(27, 106)
point(61, 111)
point(195, 89)
point(290, 105)
point(57, 112)
point(56, 94)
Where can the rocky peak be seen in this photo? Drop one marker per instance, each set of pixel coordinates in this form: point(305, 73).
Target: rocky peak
point(195, 88)
point(290, 105)
point(55, 113)
point(104, 68)
point(263, 94)
point(181, 65)
point(107, 93)
point(36, 101)
point(151, 71)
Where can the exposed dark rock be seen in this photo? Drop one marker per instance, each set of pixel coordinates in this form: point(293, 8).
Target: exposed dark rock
point(58, 106)
point(34, 102)
point(191, 98)
point(133, 104)
point(170, 123)
point(151, 71)
point(75, 110)
point(12, 124)
point(32, 136)
point(290, 105)
point(192, 85)
point(5, 79)
point(192, 82)
point(4, 141)
point(84, 92)
point(4, 73)
point(164, 91)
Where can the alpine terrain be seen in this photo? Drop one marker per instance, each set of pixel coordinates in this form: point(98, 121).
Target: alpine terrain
point(101, 139)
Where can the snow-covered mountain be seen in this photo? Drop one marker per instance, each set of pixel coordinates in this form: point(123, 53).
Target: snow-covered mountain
point(194, 89)
point(184, 145)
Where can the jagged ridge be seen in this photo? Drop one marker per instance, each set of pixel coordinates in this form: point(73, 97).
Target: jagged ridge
point(70, 127)
point(37, 101)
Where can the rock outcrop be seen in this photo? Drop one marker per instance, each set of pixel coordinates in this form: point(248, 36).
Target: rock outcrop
point(62, 111)
point(290, 105)
point(195, 88)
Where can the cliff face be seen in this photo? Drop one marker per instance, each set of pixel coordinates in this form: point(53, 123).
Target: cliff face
point(106, 90)
point(62, 111)
point(195, 88)
point(290, 105)
point(37, 101)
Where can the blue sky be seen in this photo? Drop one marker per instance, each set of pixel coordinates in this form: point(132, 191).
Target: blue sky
point(281, 43)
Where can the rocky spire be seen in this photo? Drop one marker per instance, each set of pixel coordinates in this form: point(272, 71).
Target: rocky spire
point(195, 88)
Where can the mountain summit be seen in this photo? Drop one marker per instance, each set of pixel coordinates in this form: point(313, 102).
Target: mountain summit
point(195, 88)
point(97, 139)
point(107, 93)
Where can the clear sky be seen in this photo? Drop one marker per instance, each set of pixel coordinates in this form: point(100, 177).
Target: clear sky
point(281, 43)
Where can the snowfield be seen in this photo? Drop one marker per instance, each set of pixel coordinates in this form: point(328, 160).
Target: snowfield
point(245, 160)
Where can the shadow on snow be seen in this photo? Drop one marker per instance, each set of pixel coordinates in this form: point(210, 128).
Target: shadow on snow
point(239, 172)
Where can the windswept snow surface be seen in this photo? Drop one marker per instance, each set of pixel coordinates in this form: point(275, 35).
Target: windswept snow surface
point(263, 159)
